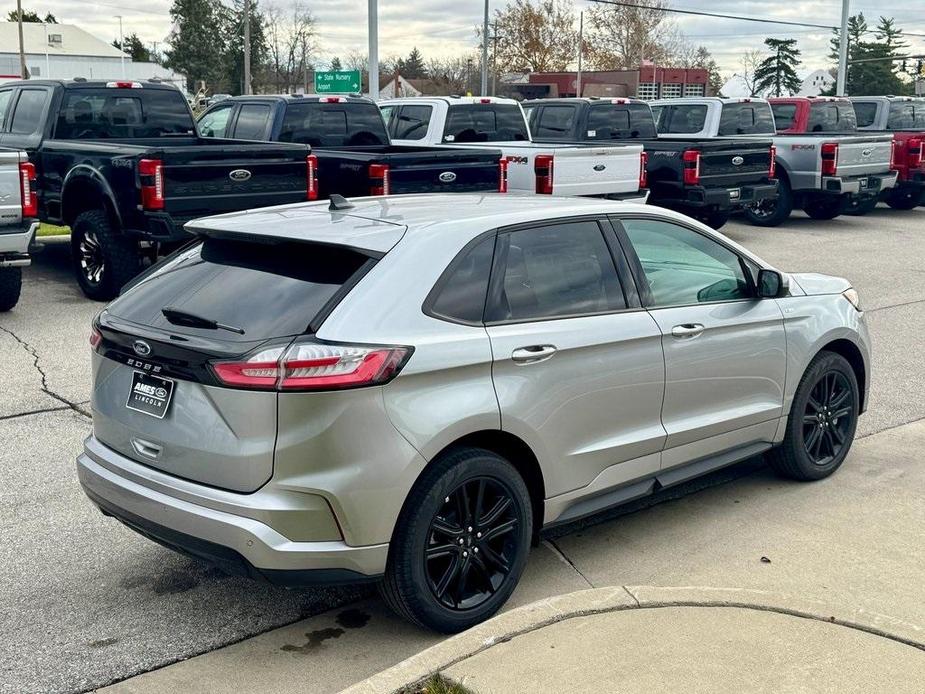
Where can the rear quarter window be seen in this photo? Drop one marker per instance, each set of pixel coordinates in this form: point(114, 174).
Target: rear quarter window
point(746, 119)
point(784, 115)
point(412, 122)
point(252, 122)
point(865, 112)
point(27, 115)
point(459, 294)
point(555, 122)
point(682, 119)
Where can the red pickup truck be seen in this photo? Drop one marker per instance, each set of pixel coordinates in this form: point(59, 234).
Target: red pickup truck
point(904, 116)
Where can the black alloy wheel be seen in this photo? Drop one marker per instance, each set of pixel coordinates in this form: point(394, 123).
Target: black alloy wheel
point(827, 419)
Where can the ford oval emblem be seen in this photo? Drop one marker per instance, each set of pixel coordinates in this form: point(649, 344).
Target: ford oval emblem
point(239, 175)
point(867, 152)
point(738, 161)
point(447, 177)
point(599, 167)
point(142, 348)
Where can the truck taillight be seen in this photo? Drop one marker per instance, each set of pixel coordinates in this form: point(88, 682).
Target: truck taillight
point(691, 163)
point(311, 177)
point(151, 172)
point(502, 175)
point(379, 179)
point(643, 170)
point(307, 366)
point(894, 164)
point(30, 203)
point(542, 169)
point(914, 153)
point(829, 158)
point(772, 165)
point(331, 100)
point(124, 85)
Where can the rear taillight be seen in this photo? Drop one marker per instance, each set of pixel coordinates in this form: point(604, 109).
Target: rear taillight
point(152, 184)
point(772, 164)
point(894, 163)
point(30, 203)
point(306, 366)
point(691, 163)
point(502, 175)
point(829, 158)
point(914, 153)
point(95, 338)
point(330, 100)
point(311, 177)
point(542, 169)
point(379, 179)
point(124, 85)
point(643, 170)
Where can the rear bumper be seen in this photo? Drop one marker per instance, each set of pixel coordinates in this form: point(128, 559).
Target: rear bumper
point(861, 185)
point(15, 242)
point(640, 196)
point(724, 198)
point(225, 535)
point(161, 227)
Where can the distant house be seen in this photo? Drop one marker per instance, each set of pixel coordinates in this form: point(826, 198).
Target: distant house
point(65, 51)
point(397, 87)
point(815, 83)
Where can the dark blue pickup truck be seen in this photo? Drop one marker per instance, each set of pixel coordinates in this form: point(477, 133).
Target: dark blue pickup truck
point(121, 163)
point(349, 139)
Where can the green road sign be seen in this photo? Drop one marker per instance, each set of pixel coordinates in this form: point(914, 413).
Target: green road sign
point(337, 82)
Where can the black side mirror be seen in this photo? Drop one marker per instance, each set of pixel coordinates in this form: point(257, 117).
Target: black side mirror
point(772, 284)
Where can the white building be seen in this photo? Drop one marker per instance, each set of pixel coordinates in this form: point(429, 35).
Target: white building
point(815, 83)
point(64, 51)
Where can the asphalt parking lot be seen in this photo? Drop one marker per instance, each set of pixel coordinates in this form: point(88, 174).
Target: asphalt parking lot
point(85, 602)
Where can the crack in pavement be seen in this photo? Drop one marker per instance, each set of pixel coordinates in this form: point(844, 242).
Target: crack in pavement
point(32, 412)
point(45, 389)
point(563, 558)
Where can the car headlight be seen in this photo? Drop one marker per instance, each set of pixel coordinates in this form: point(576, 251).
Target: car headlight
point(851, 294)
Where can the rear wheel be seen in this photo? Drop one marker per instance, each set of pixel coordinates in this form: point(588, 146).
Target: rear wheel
point(858, 207)
point(10, 287)
point(904, 199)
point(772, 212)
point(461, 542)
point(823, 420)
point(104, 259)
point(824, 207)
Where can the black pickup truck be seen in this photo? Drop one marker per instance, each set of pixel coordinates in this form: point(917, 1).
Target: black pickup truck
point(122, 165)
point(355, 155)
point(706, 178)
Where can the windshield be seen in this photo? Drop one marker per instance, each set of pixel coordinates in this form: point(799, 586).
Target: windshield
point(98, 114)
point(485, 123)
point(746, 118)
point(907, 115)
point(620, 122)
point(831, 117)
point(336, 124)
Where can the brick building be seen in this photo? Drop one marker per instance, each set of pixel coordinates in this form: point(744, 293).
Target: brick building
point(645, 82)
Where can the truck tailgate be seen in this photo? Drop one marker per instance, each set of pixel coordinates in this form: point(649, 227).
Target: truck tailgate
point(596, 170)
point(734, 163)
point(443, 170)
point(10, 202)
point(863, 156)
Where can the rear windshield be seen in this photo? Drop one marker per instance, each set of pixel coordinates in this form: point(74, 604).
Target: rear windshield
point(831, 117)
point(485, 123)
point(784, 115)
point(344, 124)
point(620, 122)
point(907, 115)
point(99, 114)
point(746, 119)
point(266, 290)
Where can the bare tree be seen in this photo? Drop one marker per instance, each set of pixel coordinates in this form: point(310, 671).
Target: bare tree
point(619, 37)
point(291, 40)
point(748, 64)
point(449, 75)
point(536, 36)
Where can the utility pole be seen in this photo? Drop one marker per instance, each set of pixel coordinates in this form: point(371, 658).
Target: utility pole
point(581, 34)
point(121, 46)
point(484, 90)
point(247, 47)
point(47, 64)
point(494, 60)
point(154, 58)
point(23, 71)
point(843, 51)
point(374, 49)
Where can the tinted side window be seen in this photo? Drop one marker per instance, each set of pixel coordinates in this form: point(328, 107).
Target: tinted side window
point(555, 271)
point(556, 122)
point(28, 114)
point(252, 122)
point(215, 123)
point(866, 113)
point(746, 119)
point(906, 115)
point(460, 293)
point(831, 117)
point(683, 119)
point(784, 115)
point(684, 267)
point(620, 122)
point(412, 122)
point(4, 104)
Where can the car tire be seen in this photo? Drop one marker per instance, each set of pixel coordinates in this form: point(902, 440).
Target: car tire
point(858, 207)
point(772, 213)
point(439, 553)
point(824, 207)
point(715, 219)
point(104, 260)
point(10, 287)
point(802, 456)
point(904, 200)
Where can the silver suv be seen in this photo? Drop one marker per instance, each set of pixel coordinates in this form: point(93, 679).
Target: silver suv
point(411, 389)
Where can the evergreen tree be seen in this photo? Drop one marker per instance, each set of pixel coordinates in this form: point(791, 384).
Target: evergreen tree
point(30, 16)
point(335, 64)
point(197, 45)
point(413, 66)
point(776, 74)
point(135, 48)
point(865, 76)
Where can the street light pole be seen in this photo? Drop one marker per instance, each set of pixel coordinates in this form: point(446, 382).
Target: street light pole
point(485, 52)
point(47, 64)
point(121, 46)
point(494, 60)
point(581, 34)
point(23, 72)
point(374, 49)
point(247, 47)
point(840, 87)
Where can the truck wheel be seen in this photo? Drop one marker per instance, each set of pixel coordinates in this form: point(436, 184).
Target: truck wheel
point(858, 207)
point(904, 199)
point(772, 213)
point(715, 219)
point(824, 207)
point(104, 260)
point(10, 287)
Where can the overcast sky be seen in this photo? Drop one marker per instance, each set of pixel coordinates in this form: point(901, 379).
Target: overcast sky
point(446, 27)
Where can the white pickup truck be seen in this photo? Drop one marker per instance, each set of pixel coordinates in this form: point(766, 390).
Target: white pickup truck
point(18, 209)
point(617, 172)
point(824, 173)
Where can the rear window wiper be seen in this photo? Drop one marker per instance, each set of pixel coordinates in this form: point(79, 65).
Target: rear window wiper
point(191, 320)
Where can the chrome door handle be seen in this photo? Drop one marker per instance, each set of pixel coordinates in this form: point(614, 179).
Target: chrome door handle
point(533, 354)
point(687, 330)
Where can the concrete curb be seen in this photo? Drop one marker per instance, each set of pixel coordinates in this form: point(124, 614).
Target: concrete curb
point(593, 601)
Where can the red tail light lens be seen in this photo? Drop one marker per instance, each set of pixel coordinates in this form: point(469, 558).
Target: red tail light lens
point(829, 158)
point(643, 170)
point(502, 175)
point(772, 166)
point(311, 177)
point(124, 85)
point(691, 162)
point(379, 179)
point(152, 184)
point(307, 366)
point(914, 153)
point(894, 165)
point(542, 169)
point(331, 99)
point(95, 338)
point(30, 203)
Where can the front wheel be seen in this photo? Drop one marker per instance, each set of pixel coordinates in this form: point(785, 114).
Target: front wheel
point(824, 207)
point(10, 287)
point(104, 259)
point(461, 542)
point(823, 420)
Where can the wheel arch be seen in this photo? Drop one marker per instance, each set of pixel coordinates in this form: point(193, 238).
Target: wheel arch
point(85, 189)
point(852, 354)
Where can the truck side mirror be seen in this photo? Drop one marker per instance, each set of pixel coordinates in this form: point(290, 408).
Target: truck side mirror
point(772, 284)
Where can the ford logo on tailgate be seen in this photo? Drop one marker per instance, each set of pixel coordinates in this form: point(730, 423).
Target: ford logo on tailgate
point(599, 167)
point(866, 152)
point(239, 175)
point(447, 177)
point(738, 161)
